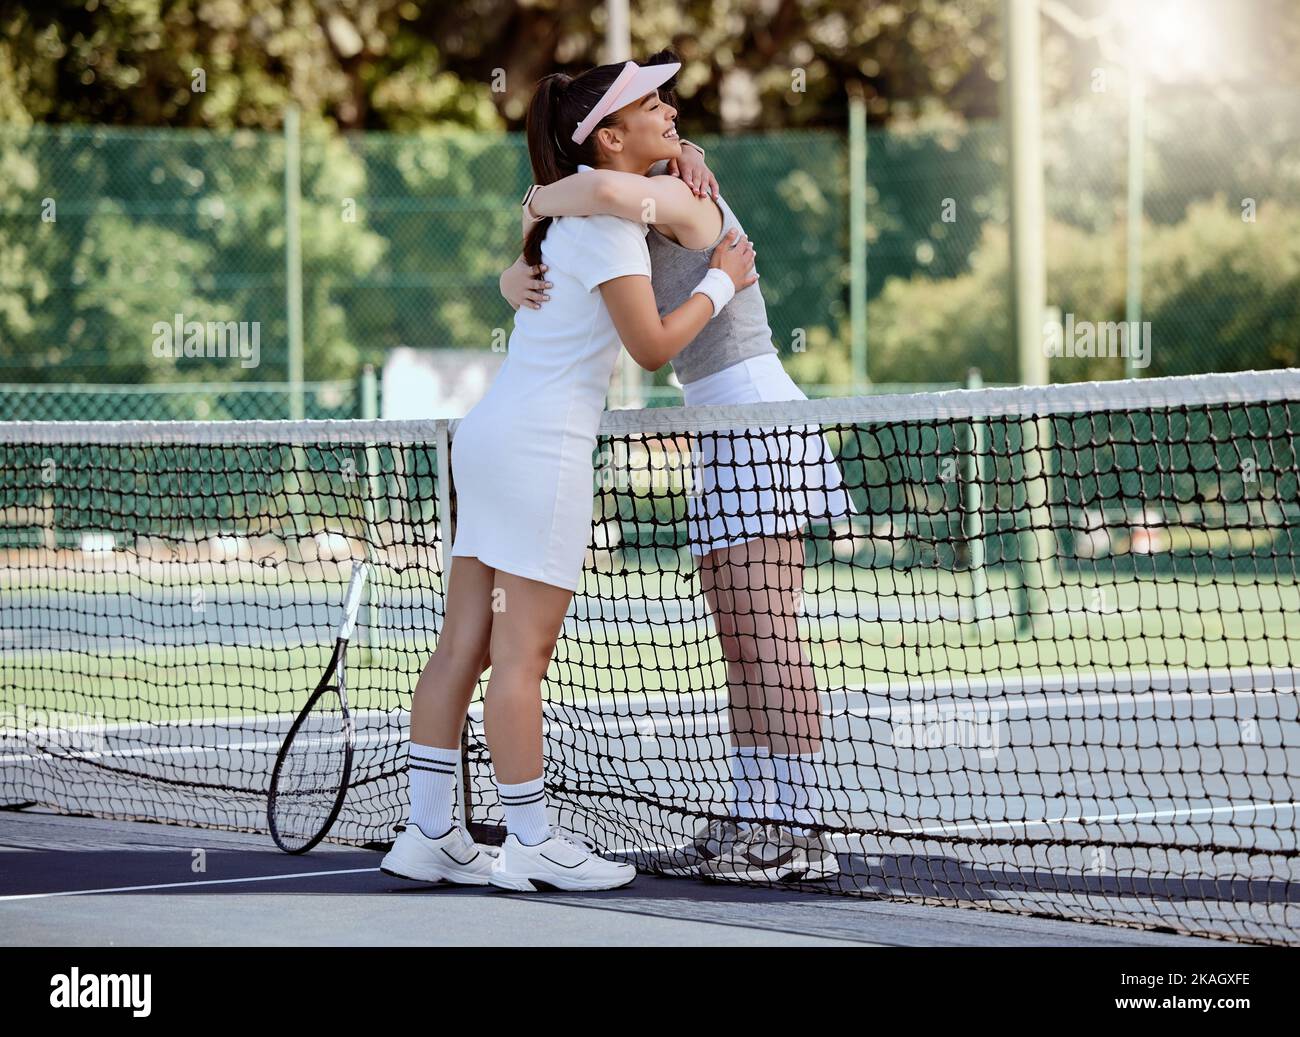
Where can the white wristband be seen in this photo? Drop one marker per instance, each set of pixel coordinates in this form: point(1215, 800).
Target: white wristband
point(718, 287)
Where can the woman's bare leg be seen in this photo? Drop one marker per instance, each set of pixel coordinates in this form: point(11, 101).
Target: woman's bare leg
point(446, 685)
point(525, 628)
point(524, 632)
point(754, 591)
point(438, 707)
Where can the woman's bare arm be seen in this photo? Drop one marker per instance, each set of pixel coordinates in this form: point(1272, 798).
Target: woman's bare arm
point(650, 340)
point(653, 341)
point(662, 200)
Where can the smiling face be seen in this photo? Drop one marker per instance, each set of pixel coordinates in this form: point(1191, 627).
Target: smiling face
point(645, 133)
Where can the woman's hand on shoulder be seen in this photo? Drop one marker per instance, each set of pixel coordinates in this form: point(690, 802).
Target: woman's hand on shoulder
point(692, 171)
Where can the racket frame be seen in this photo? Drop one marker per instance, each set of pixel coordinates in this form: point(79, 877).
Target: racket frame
point(337, 667)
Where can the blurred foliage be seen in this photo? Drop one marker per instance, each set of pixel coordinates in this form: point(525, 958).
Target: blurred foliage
point(397, 64)
point(1222, 292)
point(921, 327)
point(405, 226)
point(114, 230)
point(402, 65)
point(1220, 295)
point(404, 236)
point(403, 239)
point(231, 63)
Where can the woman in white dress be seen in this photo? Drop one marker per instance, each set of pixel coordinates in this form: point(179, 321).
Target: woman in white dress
point(522, 472)
point(746, 525)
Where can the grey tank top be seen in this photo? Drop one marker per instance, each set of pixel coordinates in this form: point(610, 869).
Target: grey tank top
point(738, 333)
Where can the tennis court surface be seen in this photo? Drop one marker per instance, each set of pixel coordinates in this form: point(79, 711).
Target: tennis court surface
point(90, 882)
point(1054, 649)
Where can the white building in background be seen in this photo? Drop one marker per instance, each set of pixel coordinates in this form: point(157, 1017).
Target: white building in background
point(436, 383)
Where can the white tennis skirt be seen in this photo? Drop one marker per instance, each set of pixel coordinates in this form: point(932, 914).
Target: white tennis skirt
point(758, 482)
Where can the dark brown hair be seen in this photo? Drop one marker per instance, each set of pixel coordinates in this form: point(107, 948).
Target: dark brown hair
point(667, 92)
point(559, 103)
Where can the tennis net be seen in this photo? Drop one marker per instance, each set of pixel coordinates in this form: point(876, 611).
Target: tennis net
point(1046, 649)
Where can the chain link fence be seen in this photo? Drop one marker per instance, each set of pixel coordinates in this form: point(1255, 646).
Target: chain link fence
point(118, 237)
point(116, 243)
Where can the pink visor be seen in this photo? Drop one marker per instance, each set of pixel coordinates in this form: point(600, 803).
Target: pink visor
point(635, 81)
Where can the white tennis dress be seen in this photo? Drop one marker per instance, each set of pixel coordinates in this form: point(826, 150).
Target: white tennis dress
point(522, 458)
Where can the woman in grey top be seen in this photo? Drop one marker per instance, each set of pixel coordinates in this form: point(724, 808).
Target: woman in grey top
point(759, 491)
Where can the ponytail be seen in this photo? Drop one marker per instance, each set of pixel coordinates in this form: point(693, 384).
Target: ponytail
point(544, 152)
point(558, 104)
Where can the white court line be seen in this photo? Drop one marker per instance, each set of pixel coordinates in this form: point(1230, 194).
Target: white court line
point(1071, 681)
point(705, 723)
point(1146, 815)
point(163, 751)
point(1284, 679)
point(183, 885)
point(634, 724)
point(235, 720)
point(1009, 704)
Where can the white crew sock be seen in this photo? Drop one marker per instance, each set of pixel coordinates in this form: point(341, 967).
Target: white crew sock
point(433, 775)
point(525, 808)
point(799, 783)
point(769, 782)
point(749, 777)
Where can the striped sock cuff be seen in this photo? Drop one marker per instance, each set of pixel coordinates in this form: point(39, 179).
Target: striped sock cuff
point(431, 758)
point(524, 805)
point(433, 776)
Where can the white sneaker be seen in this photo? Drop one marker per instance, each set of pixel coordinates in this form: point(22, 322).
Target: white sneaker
point(566, 861)
point(774, 853)
point(453, 858)
point(711, 840)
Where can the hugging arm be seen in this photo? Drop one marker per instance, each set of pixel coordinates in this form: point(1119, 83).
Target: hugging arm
point(631, 196)
point(524, 285)
point(650, 340)
point(653, 341)
point(664, 200)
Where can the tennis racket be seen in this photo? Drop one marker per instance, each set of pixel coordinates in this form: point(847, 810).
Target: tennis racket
point(315, 762)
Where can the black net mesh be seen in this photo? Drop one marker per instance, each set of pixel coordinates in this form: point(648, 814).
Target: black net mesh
point(1024, 650)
